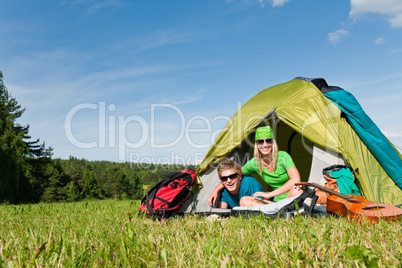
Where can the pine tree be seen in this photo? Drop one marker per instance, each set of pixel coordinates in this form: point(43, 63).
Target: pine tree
point(134, 187)
point(90, 186)
point(115, 182)
point(72, 192)
point(24, 162)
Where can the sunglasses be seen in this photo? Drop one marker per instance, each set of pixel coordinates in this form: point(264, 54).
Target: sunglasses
point(231, 176)
point(261, 142)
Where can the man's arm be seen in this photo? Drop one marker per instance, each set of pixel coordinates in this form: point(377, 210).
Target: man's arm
point(249, 200)
point(214, 195)
point(222, 204)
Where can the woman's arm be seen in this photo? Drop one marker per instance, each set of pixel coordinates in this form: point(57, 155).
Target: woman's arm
point(294, 177)
point(212, 197)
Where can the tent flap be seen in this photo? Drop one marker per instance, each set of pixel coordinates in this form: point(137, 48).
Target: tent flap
point(369, 133)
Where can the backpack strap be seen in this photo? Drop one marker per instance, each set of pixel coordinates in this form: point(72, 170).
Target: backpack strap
point(163, 200)
point(187, 197)
point(150, 209)
point(312, 205)
point(307, 193)
point(151, 196)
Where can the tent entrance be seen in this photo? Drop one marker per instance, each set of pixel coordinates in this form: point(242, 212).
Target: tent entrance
point(309, 159)
point(288, 140)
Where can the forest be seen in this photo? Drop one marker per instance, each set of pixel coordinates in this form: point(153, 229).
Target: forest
point(29, 174)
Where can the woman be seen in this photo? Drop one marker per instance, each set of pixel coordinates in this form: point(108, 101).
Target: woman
point(275, 167)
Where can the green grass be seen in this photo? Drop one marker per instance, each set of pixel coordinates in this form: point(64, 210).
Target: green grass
point(146, 187)
point(110, 233)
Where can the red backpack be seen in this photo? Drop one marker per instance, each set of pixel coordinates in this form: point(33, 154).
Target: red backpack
point(165, 198)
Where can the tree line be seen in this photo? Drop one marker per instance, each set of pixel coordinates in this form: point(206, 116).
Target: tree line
point(75, 179)
point(28, 174)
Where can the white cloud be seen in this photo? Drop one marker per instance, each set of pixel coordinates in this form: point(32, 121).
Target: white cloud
point(395, 138)
point(261, 2)
point(391, 8)
point(396, 21)
point(336, 36)
point(163, 38)
point(391, 134)
point(379, 40)
point(95, 6)
point(389, 78)
point(276, 3)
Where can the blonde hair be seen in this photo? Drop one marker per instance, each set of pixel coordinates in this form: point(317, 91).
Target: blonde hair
point(272, 156)
point(227, 163)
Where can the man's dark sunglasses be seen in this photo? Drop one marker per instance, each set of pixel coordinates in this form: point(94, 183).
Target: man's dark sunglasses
point(231, 176)
point(261, 142)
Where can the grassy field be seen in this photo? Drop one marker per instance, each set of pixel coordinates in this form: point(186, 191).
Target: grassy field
point(110, 233)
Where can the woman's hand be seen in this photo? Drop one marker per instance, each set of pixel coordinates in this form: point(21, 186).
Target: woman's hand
point(294, 177)
point(264, 195)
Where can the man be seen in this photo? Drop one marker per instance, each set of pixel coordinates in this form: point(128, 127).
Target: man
point(238, 189)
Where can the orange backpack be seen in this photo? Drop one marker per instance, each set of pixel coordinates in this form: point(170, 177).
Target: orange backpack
point(330, 183)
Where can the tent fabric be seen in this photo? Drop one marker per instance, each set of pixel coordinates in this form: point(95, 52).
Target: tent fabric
point(369, 133)
point(302, 106)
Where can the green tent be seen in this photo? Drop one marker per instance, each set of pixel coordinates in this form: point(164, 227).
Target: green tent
point(317, 132)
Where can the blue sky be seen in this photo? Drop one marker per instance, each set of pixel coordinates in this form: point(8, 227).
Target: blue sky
point(155, 81)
